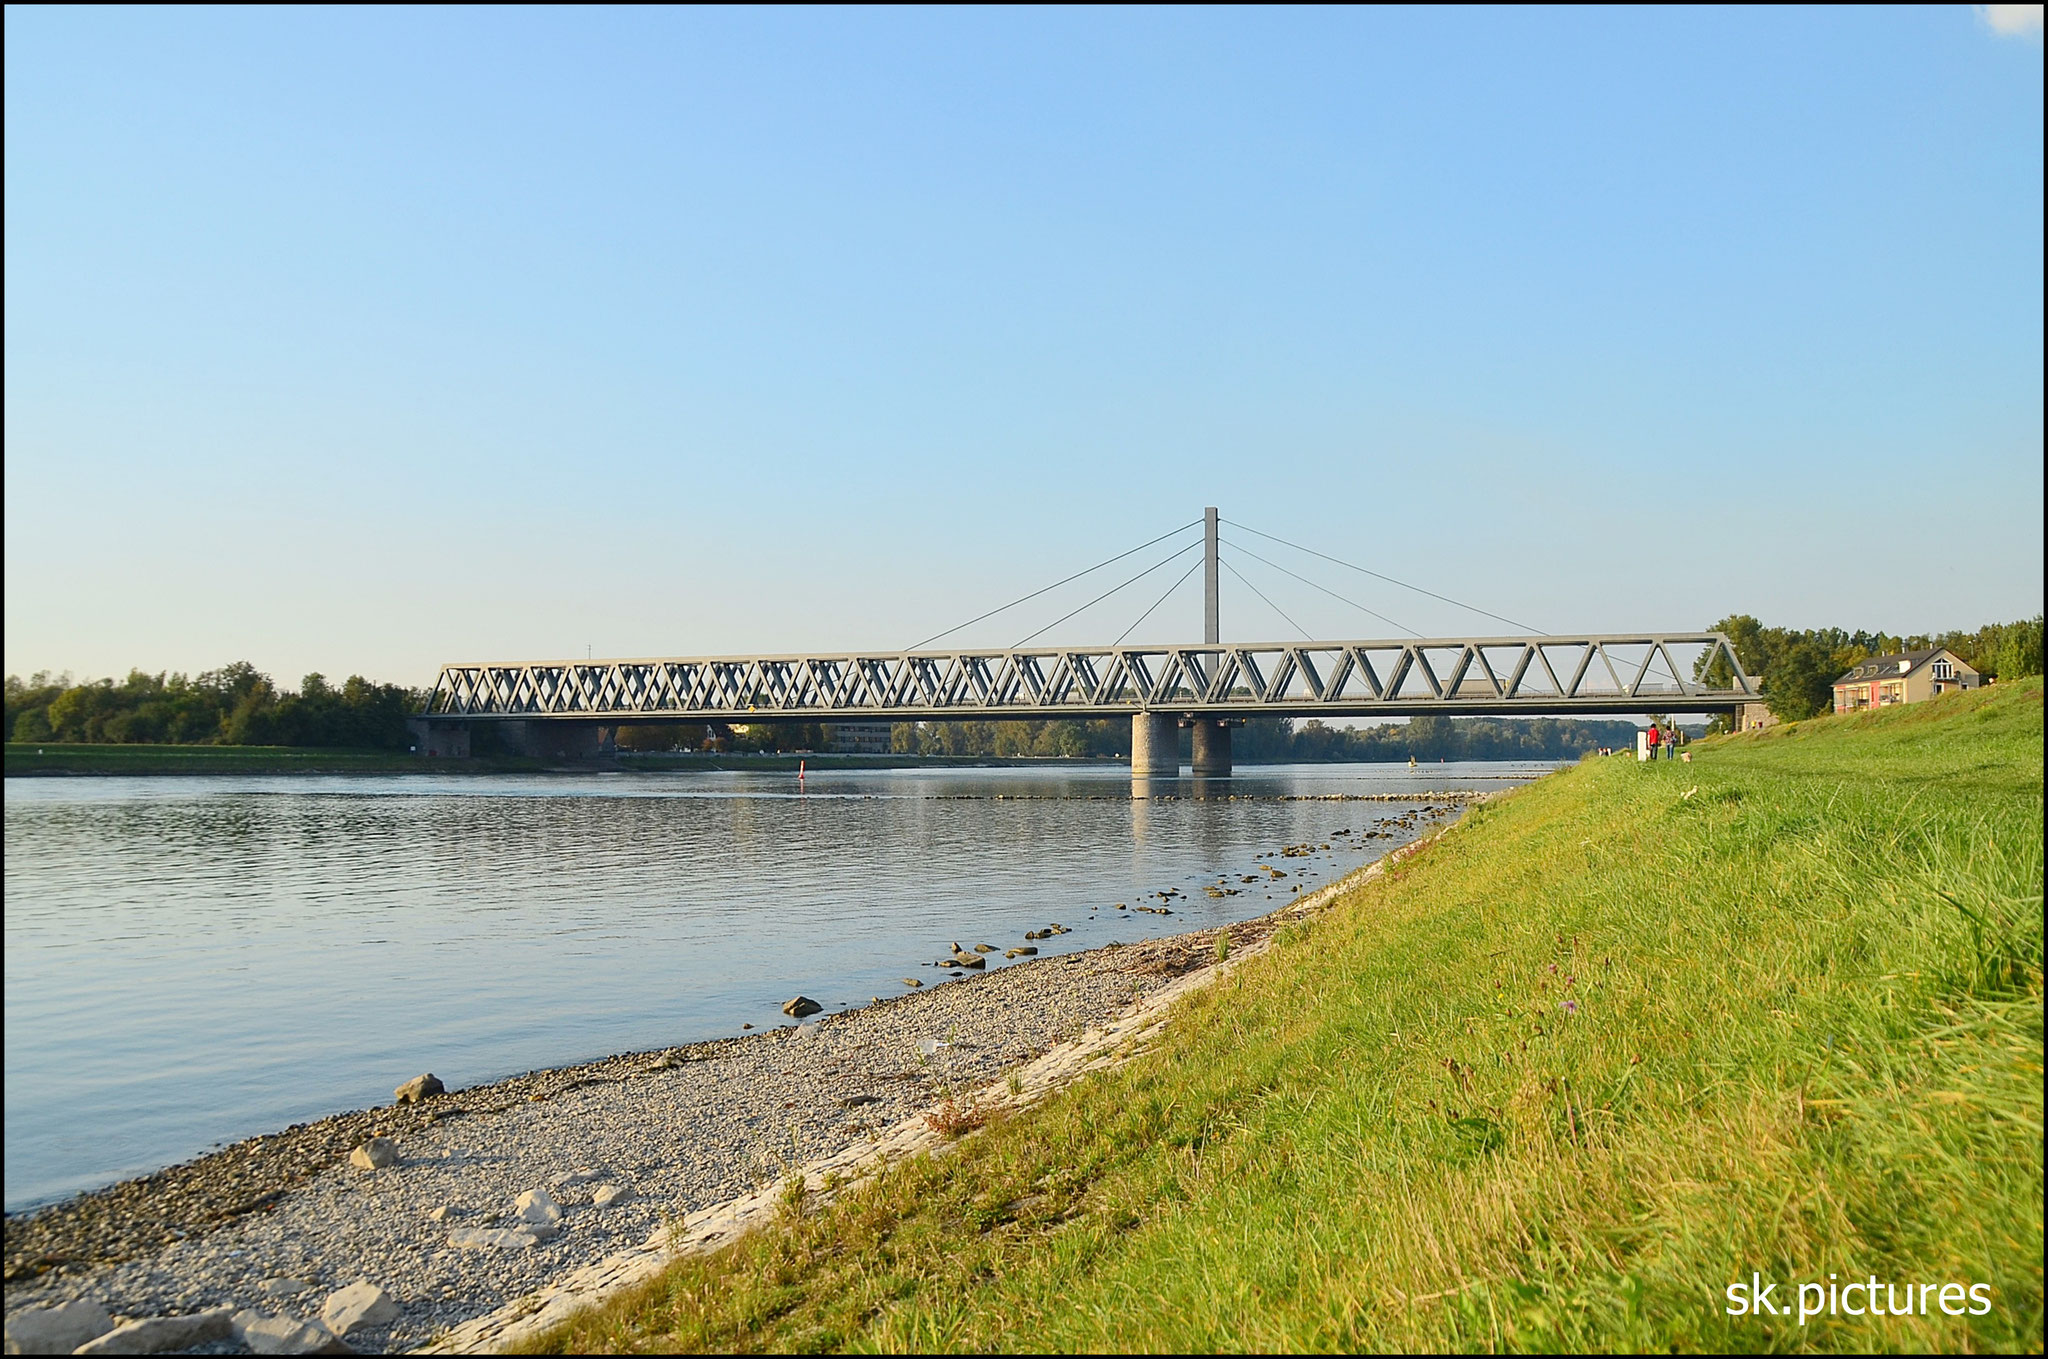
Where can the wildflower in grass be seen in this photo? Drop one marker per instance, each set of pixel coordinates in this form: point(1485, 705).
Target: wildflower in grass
point(1570, 1007)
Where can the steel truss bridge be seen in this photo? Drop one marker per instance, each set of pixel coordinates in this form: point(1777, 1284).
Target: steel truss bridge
point(1499, 676)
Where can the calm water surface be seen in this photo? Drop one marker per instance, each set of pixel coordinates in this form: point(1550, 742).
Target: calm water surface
point(190, 961)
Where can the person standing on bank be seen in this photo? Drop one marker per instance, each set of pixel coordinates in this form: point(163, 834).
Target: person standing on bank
point(1653, 738)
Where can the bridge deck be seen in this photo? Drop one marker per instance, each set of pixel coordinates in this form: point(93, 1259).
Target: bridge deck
point(1620, 673)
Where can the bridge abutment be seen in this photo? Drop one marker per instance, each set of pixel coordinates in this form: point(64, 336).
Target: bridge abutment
point(1155, 746)
point(438, 740)
point(1211, 748)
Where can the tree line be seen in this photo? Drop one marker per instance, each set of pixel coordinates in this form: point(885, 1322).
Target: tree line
point(1278, 740)
point(236, 705)
point(1798, 667)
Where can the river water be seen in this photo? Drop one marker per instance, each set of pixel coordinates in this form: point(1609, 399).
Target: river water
point(194, 960)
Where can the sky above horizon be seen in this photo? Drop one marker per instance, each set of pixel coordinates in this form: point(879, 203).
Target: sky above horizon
point(359, 341)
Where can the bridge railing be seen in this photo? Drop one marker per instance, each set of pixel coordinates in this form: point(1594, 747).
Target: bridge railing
point(1609, 673)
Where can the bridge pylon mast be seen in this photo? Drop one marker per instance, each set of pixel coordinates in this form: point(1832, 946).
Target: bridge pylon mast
point(1211, 740)
point(1212, 628)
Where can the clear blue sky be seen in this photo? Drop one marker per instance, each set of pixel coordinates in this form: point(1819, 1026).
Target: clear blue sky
point(357, 341)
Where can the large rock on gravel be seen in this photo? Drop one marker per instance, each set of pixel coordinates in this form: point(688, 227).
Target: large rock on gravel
point(419, 1088)
point(360, 1304)
point(154, 1335)
point(801, 1006)
point(537, 1208)
point(286, 1335)
point(56, 1330)
point(374, 1154)
point(609, 1194)
point(497, 1238)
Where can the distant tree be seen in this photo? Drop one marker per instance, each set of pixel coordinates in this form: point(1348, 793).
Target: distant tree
point(2018, 652)
point(1801, 681)
point(660, 736)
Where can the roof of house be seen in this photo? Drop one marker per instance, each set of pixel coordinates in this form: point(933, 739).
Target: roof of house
point(1902, 663)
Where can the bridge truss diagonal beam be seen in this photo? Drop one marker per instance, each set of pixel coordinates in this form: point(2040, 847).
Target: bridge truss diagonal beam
point(1623, 673)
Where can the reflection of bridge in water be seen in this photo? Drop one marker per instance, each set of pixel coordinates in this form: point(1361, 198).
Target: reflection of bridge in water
point(566, 708)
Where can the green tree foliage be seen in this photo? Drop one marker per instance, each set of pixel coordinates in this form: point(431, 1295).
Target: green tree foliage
point(1801, 681)
point(235, 705)
point(2006, 651)
point(768, 737)
point(662, 736)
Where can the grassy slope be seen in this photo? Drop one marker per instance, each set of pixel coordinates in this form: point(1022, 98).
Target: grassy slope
point(1808, 1041)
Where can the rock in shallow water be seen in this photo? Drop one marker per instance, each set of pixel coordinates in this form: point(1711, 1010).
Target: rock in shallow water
point(801, 1006)
point(56, 1330)
point(419, 1088)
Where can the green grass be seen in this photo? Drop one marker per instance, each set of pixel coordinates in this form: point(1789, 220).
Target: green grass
point(27, 759)
point(1807, 1041)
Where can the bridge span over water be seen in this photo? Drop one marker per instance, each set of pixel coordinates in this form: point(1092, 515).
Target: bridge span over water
point(565, 707)
point(1208, 686)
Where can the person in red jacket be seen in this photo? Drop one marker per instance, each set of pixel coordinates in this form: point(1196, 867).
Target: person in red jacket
point(1654, 738)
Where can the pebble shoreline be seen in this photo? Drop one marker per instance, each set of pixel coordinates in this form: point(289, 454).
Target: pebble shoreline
point(678, 1130)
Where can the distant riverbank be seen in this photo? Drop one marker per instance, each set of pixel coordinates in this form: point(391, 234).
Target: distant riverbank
point(56, 759)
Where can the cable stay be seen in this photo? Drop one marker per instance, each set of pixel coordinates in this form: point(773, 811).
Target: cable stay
point(1403, 627)
point(1362, 570)
point(1262, 595)
point(1193, 567)
point(1193, 523)
point(1112, 589)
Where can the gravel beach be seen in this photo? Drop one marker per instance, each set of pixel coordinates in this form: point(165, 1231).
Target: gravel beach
point(278, 1223)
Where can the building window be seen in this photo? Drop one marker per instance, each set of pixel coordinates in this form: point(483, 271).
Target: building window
point(1943, 670)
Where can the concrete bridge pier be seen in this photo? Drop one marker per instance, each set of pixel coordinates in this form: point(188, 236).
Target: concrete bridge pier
point(1211, 748)
point(1155, 746)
